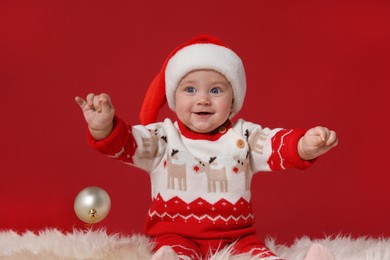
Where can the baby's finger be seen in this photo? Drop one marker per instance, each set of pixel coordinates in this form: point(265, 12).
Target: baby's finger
point(90, 98)
point(80, 101)
point(324, 134)
point(96, 103)
point(332, 140)
point(104, 96)
point(106, 104)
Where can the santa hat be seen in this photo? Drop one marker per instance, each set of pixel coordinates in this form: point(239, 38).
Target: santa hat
point(202, 52)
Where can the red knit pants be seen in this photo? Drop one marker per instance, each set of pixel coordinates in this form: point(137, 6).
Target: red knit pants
point(197, 249)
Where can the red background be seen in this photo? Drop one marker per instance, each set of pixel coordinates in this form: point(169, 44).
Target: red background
point(308, 63)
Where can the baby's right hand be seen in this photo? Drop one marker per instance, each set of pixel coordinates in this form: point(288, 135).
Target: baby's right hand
point(98, 113)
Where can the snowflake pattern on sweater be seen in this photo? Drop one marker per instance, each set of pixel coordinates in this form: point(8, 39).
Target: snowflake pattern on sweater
point(201, 182)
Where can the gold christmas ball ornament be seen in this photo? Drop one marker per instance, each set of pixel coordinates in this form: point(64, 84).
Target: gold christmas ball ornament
point(92, 205)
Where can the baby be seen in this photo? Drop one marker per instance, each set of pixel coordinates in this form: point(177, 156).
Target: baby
point(201, 164)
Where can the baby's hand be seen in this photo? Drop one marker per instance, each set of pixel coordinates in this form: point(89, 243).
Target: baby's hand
point(316, 141)
point(98, 113)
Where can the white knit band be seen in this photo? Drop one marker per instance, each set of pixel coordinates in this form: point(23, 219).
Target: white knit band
point(206, 56)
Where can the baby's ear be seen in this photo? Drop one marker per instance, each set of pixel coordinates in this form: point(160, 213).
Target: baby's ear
point(231, 108)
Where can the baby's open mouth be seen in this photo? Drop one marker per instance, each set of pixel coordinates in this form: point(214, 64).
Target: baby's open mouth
point(202, 113)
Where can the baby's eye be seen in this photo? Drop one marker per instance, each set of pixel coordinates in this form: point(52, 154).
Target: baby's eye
point(215, 91)
point(190, 90)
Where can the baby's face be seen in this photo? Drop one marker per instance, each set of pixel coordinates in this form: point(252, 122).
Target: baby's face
point(203, 100)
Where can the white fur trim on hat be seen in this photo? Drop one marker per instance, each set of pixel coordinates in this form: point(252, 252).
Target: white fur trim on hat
point(206, 56)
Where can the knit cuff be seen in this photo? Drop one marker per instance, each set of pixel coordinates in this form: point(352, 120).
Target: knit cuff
point(113, 143)
point(285, 145)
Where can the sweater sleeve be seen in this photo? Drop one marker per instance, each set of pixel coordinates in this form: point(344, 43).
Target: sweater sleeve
point(120, 144)
point(140, 146)
point(284, 150)
point(273, 149)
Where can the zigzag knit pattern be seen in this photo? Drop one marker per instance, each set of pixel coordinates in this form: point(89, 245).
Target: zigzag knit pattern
point(221, 212)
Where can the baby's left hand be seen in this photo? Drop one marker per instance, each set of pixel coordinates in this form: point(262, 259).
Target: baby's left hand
point(316, 141)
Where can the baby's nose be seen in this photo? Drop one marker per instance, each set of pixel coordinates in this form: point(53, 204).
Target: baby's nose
point(203, 99)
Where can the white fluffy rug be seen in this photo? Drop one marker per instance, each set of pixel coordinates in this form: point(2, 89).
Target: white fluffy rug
point(55, 245)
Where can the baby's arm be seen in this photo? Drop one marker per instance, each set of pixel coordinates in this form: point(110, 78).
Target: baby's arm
point(316, 141)
point(98, 113)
